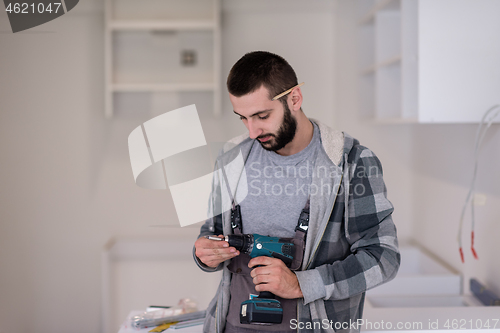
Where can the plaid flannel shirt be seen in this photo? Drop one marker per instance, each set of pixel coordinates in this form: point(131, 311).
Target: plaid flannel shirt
point(351, 244)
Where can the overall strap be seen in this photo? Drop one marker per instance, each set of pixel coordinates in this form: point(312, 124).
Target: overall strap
point(236, 222)
point(303, 223)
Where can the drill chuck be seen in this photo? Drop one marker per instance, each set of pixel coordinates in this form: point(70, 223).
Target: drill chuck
point(243, 243)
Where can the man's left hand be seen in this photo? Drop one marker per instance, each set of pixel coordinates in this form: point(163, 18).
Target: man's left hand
point(274, 276)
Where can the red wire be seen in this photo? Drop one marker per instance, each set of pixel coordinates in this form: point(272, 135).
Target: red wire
point(461, 254)
point(472, 245)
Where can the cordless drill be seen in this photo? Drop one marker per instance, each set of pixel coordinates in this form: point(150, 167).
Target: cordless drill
point(263, 309)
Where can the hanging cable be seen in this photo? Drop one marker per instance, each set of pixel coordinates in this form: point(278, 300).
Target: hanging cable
point(480, 134)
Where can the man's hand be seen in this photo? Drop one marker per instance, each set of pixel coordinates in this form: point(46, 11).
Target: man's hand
point(275, 277)
point(212, 252)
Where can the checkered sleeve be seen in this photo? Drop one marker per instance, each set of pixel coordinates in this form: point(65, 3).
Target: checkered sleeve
point(372, 255)
point(213, 225)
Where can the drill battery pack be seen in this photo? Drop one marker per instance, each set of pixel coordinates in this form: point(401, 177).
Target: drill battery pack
point(261, 311)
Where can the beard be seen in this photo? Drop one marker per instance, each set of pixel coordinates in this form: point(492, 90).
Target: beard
point(285, 134)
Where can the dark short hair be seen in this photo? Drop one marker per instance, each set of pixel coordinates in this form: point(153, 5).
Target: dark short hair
point(259, 68)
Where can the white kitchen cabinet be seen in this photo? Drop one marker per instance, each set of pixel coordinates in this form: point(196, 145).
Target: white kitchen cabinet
point(141, 271)
point(169, 47)
point(429, 61)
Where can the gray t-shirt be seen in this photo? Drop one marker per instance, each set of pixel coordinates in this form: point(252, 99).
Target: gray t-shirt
point(278, 189)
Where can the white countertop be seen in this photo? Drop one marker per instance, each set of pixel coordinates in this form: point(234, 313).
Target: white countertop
point(432, 318)
point(437, 319)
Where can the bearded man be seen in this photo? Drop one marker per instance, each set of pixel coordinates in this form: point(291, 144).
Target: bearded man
point(293, 164)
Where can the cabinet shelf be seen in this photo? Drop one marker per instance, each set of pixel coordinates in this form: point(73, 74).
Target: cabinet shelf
point(123, 25)
point(175, 87)
point(373, 68)
point(394, 120)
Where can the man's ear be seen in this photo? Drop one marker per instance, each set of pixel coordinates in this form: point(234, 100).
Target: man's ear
point(295, 100)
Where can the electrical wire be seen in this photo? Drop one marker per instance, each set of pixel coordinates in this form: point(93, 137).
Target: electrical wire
point(480, 134)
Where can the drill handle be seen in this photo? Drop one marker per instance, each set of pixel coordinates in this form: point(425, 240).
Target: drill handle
point(266, 294)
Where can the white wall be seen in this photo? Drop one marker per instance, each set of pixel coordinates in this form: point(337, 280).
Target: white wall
point(428, 169)
point(51, 90)
point(67, 186)
point(443, 166)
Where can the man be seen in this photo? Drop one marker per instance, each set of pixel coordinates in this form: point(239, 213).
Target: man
point(293, 163)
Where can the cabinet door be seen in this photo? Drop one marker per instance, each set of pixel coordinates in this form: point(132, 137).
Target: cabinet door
point(458, 59)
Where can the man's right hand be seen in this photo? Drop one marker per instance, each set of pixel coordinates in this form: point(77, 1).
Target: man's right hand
point(212, 252)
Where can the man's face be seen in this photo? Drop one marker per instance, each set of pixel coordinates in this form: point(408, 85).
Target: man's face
point(267, 121)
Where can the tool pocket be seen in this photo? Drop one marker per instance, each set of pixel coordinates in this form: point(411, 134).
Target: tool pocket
point(299, 254)
point(239, 264)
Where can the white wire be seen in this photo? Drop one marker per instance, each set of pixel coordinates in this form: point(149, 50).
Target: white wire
point(490, 121)
point(480, 134)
